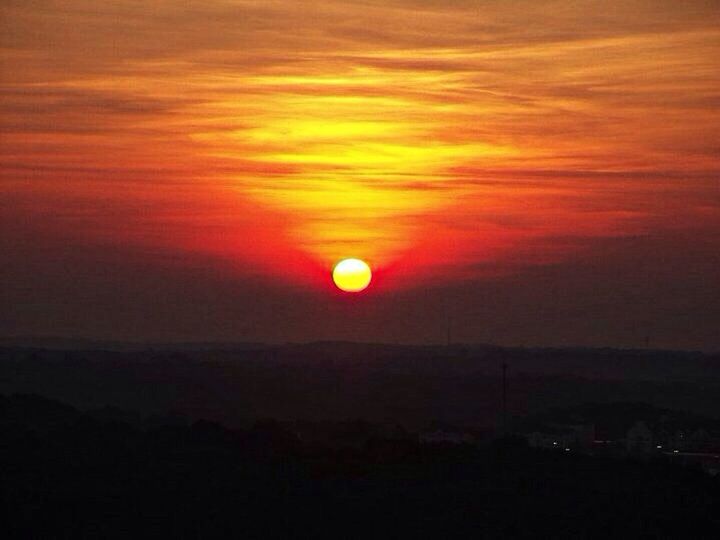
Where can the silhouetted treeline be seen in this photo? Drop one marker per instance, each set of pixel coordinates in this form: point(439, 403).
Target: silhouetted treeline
point(70, 474)
point(381, 383)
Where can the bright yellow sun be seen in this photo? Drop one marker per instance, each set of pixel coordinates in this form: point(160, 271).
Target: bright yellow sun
point(352, 275)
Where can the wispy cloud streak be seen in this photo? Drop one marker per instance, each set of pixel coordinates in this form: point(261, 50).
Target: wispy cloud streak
point(451, 134)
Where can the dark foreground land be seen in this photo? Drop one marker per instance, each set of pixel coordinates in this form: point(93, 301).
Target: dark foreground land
point(235, 384)
point(71, 474)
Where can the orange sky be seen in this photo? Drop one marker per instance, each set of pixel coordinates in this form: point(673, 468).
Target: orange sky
point(442, 141)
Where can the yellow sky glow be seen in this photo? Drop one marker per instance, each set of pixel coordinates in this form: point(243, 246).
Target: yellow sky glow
point(455, 134)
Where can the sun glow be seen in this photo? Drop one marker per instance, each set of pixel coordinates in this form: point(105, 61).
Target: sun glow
point(435, 145)
point(345, 156)
point(352, 275)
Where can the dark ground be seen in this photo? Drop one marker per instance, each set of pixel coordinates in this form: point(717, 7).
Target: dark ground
point(69, 474)
point(411, 386)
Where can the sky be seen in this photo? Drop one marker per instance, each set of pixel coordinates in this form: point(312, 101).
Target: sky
point(516, 172)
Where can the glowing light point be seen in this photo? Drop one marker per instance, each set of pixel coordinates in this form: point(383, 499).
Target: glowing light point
point(352, 275)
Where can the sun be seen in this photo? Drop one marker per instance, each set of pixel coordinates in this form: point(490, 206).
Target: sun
point(352, 275)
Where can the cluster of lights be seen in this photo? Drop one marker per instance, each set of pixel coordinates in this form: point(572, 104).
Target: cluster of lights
point(555, 443)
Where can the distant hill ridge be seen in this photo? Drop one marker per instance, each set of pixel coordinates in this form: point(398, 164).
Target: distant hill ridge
point(70, 343)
